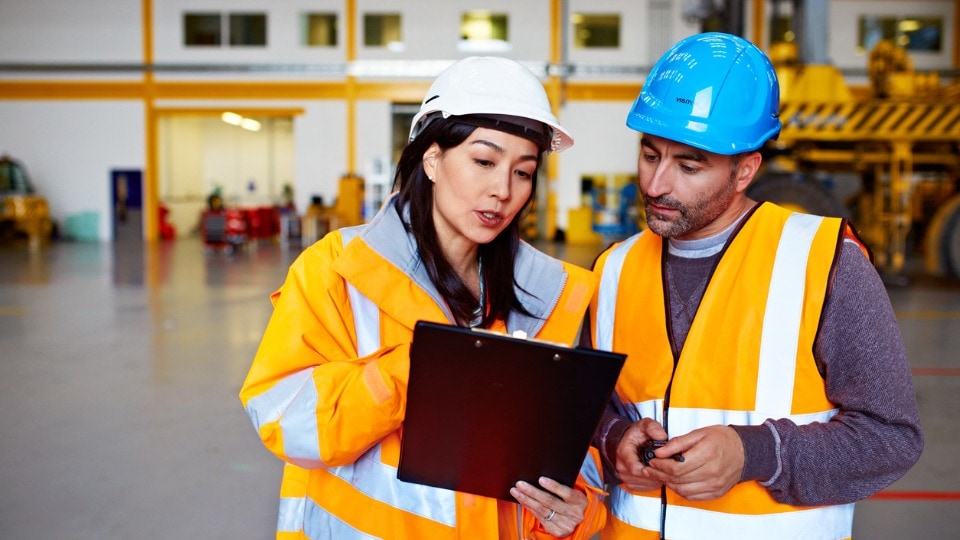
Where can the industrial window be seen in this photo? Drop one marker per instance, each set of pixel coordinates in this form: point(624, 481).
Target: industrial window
point(201, 29)
point(484, 31)
point(208, 29)
point(248, 29)
point(318, 29)
point(911, 33)
point(596, 31)
point(382, 30)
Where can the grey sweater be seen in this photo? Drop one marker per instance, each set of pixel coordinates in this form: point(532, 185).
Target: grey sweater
point(876, 435)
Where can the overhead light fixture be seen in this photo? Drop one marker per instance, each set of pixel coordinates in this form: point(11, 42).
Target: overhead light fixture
point(231, 118)
point(235, 119)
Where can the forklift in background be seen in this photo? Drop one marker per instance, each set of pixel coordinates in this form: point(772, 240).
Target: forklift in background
point(22, 211)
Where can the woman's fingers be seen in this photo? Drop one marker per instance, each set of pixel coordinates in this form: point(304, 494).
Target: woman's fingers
point(558, 508)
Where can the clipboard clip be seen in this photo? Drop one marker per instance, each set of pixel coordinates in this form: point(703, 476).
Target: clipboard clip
point(517, 334)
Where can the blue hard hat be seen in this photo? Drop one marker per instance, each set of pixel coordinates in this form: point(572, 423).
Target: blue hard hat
point(712, 91)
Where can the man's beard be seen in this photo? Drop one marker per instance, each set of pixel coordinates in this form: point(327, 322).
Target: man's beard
point(702, 212)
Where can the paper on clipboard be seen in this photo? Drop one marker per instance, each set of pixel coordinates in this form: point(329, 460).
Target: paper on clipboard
point(485, 410)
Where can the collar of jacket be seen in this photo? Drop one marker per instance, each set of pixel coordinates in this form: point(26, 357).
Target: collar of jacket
point(541, 277)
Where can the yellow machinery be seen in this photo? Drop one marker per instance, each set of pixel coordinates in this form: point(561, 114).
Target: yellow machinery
point(21, 211)
point(902, 140)
point(349, 205)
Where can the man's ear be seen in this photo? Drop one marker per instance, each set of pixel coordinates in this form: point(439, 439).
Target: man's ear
point(747, 170)
point(430, 158)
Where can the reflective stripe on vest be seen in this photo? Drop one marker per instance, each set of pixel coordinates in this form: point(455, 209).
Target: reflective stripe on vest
point(684, 420)
point(378, 481)
point(316, 523)
point(827, 522)
point(298, 423)
point(592, 474)
point(781, 322)
point(607, 294)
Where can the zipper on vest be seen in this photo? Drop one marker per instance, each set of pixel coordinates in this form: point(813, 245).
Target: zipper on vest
point(663, 512)
point(666, 409)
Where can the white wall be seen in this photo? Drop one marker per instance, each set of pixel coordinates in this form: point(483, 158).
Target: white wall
point(321, 151)
point(69, 149)
point(84, 31)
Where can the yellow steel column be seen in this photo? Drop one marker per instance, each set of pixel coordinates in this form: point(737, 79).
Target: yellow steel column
point(555, 93)
point(350, 14)
point(760, 36)
point(151, 205)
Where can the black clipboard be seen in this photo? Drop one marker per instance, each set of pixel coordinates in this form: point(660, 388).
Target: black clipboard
point(485, 409)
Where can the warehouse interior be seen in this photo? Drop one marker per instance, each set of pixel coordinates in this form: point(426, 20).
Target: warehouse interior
point(162, 162)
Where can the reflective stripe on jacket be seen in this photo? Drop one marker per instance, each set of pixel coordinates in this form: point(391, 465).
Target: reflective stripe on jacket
point(748, 357)
point(327, 387)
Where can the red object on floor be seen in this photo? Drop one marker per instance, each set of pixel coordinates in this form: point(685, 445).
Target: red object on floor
point(167, 230)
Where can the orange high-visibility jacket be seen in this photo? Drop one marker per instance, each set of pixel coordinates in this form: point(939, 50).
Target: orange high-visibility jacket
point(748, 357)
point(327, 388)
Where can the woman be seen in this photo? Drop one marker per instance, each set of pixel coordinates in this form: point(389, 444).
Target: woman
point(327, 387)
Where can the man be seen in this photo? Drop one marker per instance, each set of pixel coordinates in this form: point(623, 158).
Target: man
point(761, 342)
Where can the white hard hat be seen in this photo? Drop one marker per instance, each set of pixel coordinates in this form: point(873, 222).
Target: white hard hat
point(492, 87)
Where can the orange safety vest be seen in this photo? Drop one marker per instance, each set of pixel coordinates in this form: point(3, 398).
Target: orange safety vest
point(326, 393)
point(748, 357)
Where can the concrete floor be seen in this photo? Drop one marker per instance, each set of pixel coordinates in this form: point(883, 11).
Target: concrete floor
point(120, 417)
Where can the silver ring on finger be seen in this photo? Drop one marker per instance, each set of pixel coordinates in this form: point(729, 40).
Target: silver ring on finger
point(552, 513)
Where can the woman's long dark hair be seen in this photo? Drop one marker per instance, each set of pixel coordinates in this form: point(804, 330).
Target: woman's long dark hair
point(498, 256)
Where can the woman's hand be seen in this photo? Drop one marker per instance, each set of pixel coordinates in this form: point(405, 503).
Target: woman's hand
point(558, 507)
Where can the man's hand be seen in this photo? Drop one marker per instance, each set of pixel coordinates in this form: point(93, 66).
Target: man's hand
point(629, 466)
point(713, 463)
